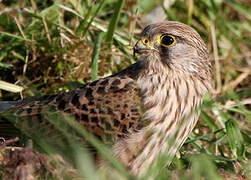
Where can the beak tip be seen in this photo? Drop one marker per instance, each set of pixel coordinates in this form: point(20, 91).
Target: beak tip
point(135, 50)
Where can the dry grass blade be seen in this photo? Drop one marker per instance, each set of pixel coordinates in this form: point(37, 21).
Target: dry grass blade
point(10, 87)
point(216, 59)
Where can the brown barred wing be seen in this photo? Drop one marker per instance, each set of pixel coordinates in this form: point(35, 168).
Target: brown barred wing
point(110, 108)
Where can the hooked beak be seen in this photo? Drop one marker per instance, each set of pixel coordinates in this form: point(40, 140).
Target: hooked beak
point(140, 48)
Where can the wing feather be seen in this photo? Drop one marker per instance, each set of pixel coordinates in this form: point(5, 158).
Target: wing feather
point(110, 108)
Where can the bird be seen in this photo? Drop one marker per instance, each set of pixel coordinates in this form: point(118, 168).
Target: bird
point(148, 109)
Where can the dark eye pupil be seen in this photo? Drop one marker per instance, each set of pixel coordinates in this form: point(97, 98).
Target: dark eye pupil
point(167, 40)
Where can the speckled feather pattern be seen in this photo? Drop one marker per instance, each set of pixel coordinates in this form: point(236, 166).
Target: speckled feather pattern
point(145, 110)
point(109, 108)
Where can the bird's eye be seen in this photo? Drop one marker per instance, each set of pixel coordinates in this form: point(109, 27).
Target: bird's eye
point(167, 40)
point(145, 41)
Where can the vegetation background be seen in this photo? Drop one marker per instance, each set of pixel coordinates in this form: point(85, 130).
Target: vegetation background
point(49, 47)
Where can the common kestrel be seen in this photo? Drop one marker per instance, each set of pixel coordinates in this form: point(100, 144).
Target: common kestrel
point(144, 110)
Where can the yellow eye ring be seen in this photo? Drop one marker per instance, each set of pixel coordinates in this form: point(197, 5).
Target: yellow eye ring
point(167, 40)
point(145, 41)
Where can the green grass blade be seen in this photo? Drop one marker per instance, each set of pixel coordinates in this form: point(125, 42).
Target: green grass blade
point(114, 21)
point(93, 16)
point(14, 36)
point(235, 139)
point(84, 21)
point(95, 57)
point(207, 119)
point(105, 152)
point(202, 166)
point(5, 65)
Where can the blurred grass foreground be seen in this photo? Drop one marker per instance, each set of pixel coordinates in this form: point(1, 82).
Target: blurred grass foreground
point(49, 47)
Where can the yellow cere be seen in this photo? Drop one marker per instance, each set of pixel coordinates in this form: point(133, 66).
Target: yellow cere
point(146, 42)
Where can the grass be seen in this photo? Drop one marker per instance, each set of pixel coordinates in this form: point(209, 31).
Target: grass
point(50, 47)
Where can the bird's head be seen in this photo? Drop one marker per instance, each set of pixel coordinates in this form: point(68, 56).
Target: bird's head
point(174, 45)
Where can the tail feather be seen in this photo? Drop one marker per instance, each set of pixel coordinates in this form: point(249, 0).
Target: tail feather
point(7, 129)
point(6, 105)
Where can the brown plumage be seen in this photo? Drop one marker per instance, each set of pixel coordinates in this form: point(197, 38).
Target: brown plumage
point(147, 109)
